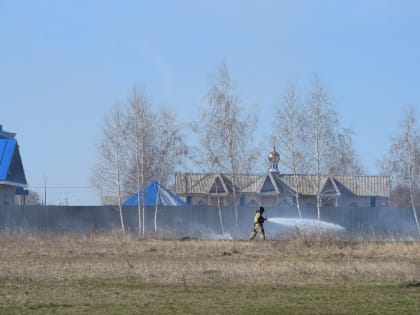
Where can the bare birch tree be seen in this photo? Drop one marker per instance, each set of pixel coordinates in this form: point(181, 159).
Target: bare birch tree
point(320, 130)
point(141, 133)
point(137, 147)
point(171, 150)
point(342, 158)
point(288, 131)
point(227, 133)
point(403, 161)
point(108, 175)
point(156, 147)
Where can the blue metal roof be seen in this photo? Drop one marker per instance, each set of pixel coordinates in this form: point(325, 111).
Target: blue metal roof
point(155, 194)
point(11, 168)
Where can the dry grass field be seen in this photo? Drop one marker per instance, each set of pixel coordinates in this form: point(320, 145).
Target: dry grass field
point(114, 274)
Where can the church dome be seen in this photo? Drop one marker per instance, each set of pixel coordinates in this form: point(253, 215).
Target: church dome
point(274, 156)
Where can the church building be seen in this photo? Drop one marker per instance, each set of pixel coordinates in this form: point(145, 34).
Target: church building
point(276, 189)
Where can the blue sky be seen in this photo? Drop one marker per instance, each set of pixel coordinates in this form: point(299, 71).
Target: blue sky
point(63, 64)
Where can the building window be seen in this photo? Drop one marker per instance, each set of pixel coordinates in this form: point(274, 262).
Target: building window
point(189, 200)
point(373, 201)
point(242, 201)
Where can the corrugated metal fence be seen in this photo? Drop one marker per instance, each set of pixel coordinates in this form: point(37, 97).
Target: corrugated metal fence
point(200, 222)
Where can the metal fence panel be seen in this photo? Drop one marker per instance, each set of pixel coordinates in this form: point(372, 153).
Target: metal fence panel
point(196, 222)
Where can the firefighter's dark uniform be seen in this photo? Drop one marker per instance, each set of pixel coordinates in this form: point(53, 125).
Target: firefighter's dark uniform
point(258, 225)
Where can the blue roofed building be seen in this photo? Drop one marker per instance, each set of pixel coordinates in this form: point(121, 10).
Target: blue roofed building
point(12, 174)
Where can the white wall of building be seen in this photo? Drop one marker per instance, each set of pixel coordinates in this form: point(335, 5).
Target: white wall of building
point(7, 195)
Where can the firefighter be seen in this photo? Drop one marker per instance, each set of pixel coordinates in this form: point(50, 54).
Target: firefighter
point(258, 225)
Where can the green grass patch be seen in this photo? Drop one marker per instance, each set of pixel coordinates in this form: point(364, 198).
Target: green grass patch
point(122, 297)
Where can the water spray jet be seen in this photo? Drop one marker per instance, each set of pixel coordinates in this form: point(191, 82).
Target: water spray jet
point(307, 225)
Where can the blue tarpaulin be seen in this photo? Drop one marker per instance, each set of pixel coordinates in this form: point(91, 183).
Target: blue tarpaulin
point(154, 194)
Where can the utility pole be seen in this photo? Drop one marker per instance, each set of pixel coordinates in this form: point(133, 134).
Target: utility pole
point(45, 190)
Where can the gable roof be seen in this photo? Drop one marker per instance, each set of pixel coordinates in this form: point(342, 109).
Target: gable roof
point(202, 183)
point(269, 186)
point(356, 185)
point(365, 185)
point(271, 183)
point(219, 186)
point(11, 168)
